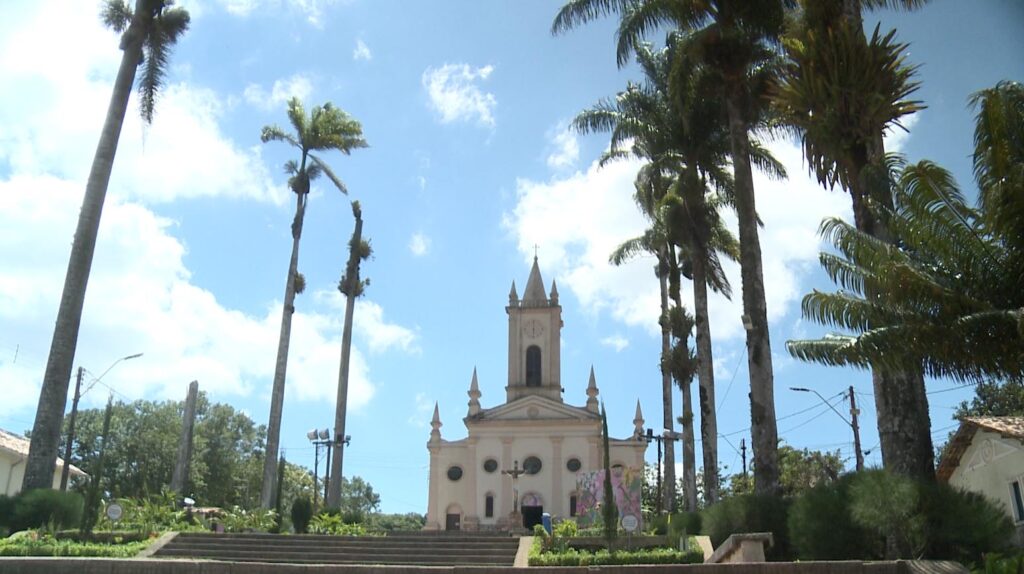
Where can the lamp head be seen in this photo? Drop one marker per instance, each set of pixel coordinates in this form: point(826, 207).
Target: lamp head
point(324, 434)
point(800, 389)
point(311, 435)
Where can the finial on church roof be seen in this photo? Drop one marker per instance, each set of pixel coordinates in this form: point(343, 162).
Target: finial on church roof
point(474, 395)
point(534, 293)
point(435, 425)
point(592, 392)
point(638, 421)
point(554, 293)
point(513, 297)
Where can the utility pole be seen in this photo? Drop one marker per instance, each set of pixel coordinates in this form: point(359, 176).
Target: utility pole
point(180, 476)
point(743, 455)
point(64, 473)
point(856, 430)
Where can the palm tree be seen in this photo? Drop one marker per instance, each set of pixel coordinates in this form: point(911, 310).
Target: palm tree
point(736, 39)
point(841, 91)
point(351, 286)
point(945, 296)
point(148, 32)
point(325, 128)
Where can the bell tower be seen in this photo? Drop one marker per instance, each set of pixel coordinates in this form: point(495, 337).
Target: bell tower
point(534, 340)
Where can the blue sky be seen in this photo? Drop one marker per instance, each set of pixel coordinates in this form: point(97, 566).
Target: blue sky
point(464, 105)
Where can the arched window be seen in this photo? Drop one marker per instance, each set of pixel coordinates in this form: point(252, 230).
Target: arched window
point(533, 366)
point(489, 505)
point(573, 501)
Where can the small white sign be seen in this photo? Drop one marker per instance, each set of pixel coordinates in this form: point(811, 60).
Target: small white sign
point(114, 511)
point(630, 523)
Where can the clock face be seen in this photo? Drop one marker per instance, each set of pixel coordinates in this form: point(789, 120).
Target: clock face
point(534, 328)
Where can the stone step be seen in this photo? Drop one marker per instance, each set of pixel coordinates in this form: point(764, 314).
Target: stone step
point(333, 558)
point(360, 549)
point(461, 550)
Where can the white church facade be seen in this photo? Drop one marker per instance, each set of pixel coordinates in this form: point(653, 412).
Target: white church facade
point(519, 459)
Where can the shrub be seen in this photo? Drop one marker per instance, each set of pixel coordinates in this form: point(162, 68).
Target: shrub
point(302, 512)
point(240, 520)
point(48, 546)
point(750, 513)
point(6, 511)
point(821, 527)
point(575, 557)
point(962, 526)
point(332, 523)
point(46, 507)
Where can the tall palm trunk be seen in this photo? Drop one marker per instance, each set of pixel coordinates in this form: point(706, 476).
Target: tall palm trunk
point(901, 405)
point(281, 367)
point(669, 483)
point(42, 454)
point(686, 418)
point(763, 427)
point(341, 406)
point(705, 375)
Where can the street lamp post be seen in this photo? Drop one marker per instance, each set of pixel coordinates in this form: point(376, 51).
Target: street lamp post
point(669, 436)
point(64, 473)
point(852, 422)
point(322, 438)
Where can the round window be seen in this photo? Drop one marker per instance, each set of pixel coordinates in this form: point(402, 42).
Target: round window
point(454, 473)
point(490, 465)
point(573, 465)
point(532, 465)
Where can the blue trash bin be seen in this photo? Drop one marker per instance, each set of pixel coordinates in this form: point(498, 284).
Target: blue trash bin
point(545, 519)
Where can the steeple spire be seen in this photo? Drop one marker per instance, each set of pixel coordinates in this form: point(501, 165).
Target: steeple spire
point(592, 405)
point(554, 293)
point(513, 297)
point(638, 421)
point(534, 294)
point(435, 425)
point(474, 395)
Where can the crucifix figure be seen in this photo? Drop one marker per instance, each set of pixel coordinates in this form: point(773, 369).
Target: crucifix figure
point(514, 473)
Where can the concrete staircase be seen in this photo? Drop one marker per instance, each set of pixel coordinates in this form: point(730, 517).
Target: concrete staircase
point(463, 549)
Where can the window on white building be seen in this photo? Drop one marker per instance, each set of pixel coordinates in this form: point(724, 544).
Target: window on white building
point(1017, 499)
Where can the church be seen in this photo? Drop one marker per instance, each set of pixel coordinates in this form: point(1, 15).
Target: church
point(520, 459)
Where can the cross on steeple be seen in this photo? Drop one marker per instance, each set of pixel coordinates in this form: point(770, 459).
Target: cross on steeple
point(535, 248)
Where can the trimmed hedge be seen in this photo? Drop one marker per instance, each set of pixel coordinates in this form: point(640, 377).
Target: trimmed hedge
point(45, 507)
point(47, 546)
point(821, 527)
point(574, 557)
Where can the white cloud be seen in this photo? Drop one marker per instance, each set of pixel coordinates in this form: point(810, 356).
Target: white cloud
point(362, 51)
point(368, 322)
point(419, 244)
point(581, 218)
point(141, 299)
point(617, 342)
point(311, 9)
point(565, 149)
point(455, 95)
point(422, 411)
point(54, 108)
point(298, 86)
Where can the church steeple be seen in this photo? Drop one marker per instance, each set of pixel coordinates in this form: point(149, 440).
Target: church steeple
point(592, 392)
point(474, 395)
point(435, 425)
point(534, 294)
point(534, 340)
point(638, 421)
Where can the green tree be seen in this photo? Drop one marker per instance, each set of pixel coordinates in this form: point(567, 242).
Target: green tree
point(681, 133)
point(609, 511)
point(799, 470)
point(737, 40)
point(147, 35)
point(994, 399)
point(358, 500)
point(326, 128)
point(842, 91)
point(947, 295)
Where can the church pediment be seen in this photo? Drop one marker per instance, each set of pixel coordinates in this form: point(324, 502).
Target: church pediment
point(534, 408)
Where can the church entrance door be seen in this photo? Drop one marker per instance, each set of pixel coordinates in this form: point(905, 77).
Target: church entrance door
point(531, 516)
point(452, 522)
